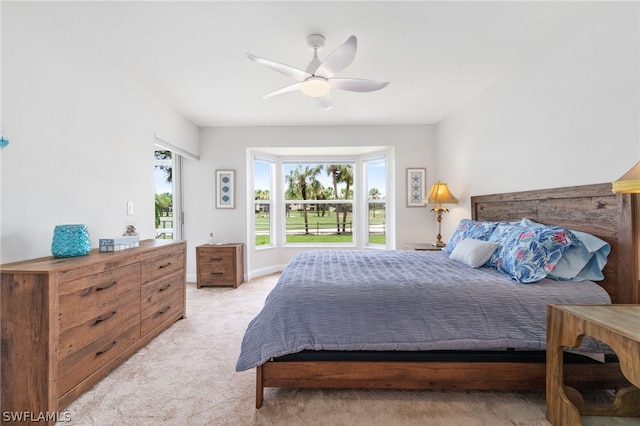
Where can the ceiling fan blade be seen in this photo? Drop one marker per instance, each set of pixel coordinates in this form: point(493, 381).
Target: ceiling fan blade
point(339, 59)
point(288, 70)
point(356, 84)
point(324, 102)
point(281, 91)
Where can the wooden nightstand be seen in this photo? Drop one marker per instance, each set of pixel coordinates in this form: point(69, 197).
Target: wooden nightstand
point(615, 325)
point(220, 264)
point(422, 247)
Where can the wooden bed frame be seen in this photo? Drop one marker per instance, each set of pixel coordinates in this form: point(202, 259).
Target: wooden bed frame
point(589, 208)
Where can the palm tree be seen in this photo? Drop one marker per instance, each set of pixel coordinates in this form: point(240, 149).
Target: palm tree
point(346, 176)
point(298, 181)
point(374, 194)
point(315, 191)
point(333, 170)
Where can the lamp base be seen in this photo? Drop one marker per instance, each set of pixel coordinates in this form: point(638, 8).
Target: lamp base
point(439, 244)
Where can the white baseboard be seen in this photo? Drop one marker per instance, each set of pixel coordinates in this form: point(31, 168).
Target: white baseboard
point(264, 271)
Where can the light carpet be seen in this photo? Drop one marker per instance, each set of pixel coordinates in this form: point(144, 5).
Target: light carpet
point(186, 376)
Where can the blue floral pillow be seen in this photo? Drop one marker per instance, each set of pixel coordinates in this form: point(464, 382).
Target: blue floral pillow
point(468, 228)
point(585, 260)
point(529, 253)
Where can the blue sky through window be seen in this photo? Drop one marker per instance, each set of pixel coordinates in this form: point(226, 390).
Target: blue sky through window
point(376, 175)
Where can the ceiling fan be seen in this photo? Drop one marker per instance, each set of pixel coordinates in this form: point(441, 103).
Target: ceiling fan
point(317, 79)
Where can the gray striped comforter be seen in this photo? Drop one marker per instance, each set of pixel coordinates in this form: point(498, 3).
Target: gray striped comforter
point(401, 300)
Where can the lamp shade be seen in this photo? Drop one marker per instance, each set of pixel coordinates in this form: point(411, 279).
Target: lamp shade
point(440, 194)
point(629, 183)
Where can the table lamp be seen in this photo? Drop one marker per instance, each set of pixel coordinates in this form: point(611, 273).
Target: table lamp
point(439, 194)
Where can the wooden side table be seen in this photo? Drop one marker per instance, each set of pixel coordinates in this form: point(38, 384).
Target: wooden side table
point(220, 264)
point(422, 247)
point(615, 325)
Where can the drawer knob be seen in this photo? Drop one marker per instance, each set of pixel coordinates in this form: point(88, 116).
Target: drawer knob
point(108, 348)
point(104, 317)
point(164, 288)
point(165, 265)
point(104, 287)
point(217, 273)
point(215, 259)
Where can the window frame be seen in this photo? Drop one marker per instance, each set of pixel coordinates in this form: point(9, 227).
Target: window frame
point(367, 200)
point(272, 161)
point(358, 156)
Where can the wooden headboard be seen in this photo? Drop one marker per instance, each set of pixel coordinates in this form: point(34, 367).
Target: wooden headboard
point(588, 208)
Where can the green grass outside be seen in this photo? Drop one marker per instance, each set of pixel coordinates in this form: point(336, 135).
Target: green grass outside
point(316, 224)
point(296, 221)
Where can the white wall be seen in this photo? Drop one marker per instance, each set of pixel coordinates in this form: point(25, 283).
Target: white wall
point(81, 139)
point(226, 147)
point(570, 117)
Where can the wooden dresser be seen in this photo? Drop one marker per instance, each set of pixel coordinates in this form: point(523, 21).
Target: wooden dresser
point(67, 323)
point(220, 264)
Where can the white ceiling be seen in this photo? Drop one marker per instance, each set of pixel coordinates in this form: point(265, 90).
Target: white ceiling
point(436, 55)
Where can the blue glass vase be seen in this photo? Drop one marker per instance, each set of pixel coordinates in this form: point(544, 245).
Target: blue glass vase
point(70, 241)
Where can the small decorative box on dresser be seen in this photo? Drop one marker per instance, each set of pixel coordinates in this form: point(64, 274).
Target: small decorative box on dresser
point(220, 264)
point(67, 323)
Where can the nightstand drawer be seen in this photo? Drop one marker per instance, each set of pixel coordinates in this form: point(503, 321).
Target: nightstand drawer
point(215, 276)
point(217, 258)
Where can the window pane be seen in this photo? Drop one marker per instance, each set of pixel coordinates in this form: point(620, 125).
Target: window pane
point(262, 208)
point(311, 216)
point(163, 178)
point(376, 183)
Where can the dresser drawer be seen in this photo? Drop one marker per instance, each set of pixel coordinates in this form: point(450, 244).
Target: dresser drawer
point(158, 292)
point(82, 363)
point(162, 309)
point(91, 306)
point(161, 266)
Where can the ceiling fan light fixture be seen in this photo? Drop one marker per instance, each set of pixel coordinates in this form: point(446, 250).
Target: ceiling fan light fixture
point(315, 87)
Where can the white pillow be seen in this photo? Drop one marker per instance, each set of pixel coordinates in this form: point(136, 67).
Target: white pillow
point(474, 253)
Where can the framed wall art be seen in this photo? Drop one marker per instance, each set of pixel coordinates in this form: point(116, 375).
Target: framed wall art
point(225, 189)
point(416, 189)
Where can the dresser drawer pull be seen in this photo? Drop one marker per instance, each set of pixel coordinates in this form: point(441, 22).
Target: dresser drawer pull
point(115, 283)
point(215, 259)
point(217, 273)
point(105, 317)
point(164, 288)
point(164, 266)
point(162, 311)
point(108, 348)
